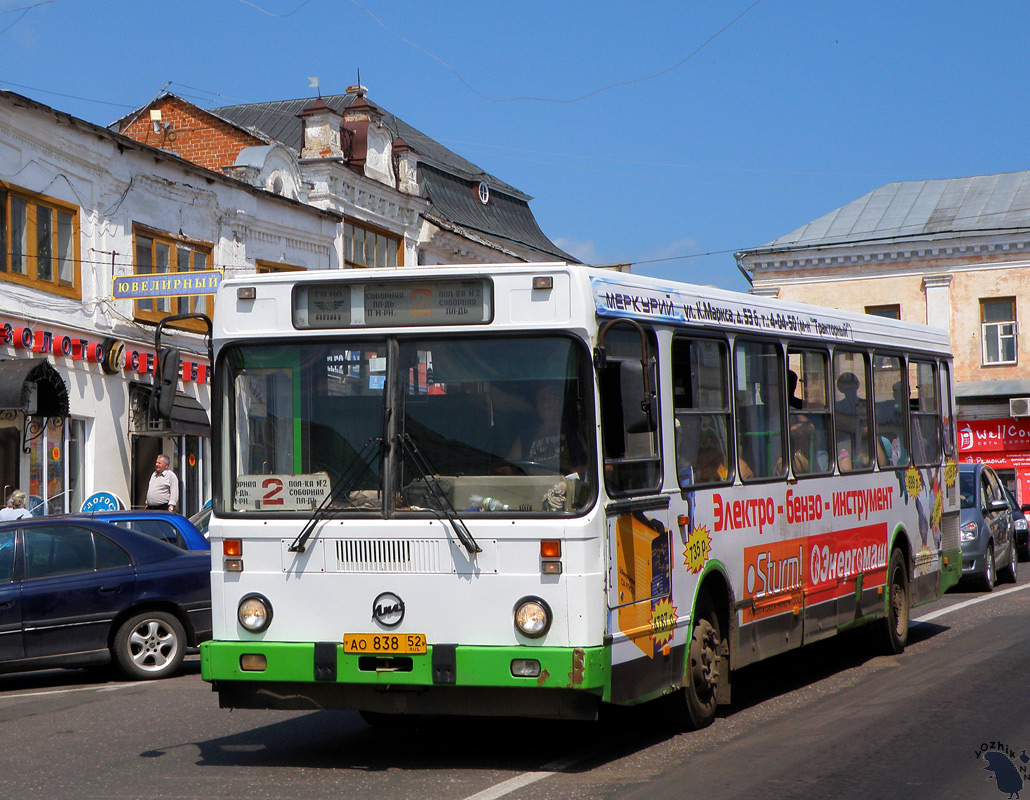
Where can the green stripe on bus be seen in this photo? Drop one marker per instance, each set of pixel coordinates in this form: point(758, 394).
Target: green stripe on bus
point(293, 662)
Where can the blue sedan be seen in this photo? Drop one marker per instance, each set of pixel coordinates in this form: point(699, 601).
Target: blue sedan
point(172, 528)
point(76, 592)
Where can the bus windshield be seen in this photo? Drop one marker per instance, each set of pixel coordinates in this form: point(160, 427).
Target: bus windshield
point(493, 425)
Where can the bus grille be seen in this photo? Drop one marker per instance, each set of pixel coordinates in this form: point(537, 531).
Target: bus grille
point(388, 555)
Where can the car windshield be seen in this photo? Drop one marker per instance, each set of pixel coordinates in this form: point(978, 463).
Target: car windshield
point(504, 424)
point(967, 488)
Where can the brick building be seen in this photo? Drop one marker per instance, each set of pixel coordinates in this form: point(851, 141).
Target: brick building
point(406, 199)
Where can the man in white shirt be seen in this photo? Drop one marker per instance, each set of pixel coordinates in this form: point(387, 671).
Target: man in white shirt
point(163, 491)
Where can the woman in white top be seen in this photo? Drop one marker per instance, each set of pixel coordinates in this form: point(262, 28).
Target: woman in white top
point(15, 507)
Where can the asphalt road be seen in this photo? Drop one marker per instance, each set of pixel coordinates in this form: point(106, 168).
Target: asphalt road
point(831, 721)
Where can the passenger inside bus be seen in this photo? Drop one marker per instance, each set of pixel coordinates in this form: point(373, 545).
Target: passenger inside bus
point(808, 429)
point(549, 441)
point(852, 426)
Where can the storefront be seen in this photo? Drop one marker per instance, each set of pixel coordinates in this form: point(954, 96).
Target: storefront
point(1003, 444)
point(75, 419)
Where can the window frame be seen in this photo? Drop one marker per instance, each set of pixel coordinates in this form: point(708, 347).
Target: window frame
point(56, 257)
point(797, 418)
point(919, 413)
point(995, 326)
point(176, 304)
point(862, 421)
point(350, 225)
point(262, 267)
point(725, 413)
point(775, 464)
point(886, 311)
point(880, 401)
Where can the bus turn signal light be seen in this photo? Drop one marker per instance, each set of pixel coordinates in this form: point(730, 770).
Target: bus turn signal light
point(232, 548)
point(550, 548)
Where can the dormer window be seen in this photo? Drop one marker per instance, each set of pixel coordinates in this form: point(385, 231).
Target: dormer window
point(484, 192)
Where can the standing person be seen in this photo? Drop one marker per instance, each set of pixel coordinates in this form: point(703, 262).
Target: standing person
point(163, 491)
point(15, 508)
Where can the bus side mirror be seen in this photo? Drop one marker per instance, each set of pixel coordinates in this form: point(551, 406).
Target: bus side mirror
point(167, 375)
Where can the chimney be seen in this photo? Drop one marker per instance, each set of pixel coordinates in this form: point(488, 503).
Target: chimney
point(323, 137)
point(405, 164)
point(356, 119)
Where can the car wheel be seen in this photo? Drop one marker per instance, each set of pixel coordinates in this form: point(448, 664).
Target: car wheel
point(1011, 573)
point(988, 576)
point(895, 625)
point(150, 645)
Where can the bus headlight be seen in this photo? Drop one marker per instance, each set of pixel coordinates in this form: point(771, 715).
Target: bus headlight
point(254, 613)
point(532, 617)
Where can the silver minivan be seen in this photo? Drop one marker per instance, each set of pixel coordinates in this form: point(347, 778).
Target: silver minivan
point(988, 530)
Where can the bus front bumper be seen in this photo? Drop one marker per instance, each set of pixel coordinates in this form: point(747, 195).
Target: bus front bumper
point(447, 679)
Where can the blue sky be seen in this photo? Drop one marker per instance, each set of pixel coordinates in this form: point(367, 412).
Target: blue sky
point(666, 134)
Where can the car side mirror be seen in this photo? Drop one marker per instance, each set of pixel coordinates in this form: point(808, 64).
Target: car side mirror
point(998, 505)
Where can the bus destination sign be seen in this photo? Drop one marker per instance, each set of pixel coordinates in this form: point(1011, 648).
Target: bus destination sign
point(392, 305)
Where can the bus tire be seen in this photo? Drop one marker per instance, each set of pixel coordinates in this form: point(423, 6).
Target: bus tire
point(696, 702)
point(895, 625)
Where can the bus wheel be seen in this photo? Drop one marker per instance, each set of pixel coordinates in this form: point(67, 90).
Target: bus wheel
point(895, 626)
point(696, 702)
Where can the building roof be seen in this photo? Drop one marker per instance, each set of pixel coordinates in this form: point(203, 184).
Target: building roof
point(918, 209)
point(444, 177)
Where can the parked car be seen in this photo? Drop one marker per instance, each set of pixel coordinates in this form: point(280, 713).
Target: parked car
point(77, 592)
point(202, 519)
point(1021, 525)
point(987, 527)
point(172, 528)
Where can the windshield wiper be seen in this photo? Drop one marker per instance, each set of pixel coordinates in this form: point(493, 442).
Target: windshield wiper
point(428, 474)
point(342, 489)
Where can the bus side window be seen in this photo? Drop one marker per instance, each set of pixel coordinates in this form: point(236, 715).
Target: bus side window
point(809, 409)
point(852, 430)
point(700, 381)
point(890, 407)
point(759, 376)
point(947, 421)
point(632, 458)
point(925, 412)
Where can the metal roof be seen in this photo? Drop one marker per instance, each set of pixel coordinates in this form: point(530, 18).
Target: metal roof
point(446, 179)
point(916, 209)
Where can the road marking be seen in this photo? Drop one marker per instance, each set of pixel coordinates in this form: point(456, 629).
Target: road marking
point(525, 779)
point(968, 603)
point(67, 691)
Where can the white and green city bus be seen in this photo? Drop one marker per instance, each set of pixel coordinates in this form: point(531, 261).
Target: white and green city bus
point(535, 489)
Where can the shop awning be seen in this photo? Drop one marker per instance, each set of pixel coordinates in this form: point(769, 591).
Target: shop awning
point(33, 386)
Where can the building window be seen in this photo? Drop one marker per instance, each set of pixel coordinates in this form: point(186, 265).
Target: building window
point(998, 324)
point(157, 254)
point(39, 243)
point(266, 267)
point(887, 312)
point(369, 247)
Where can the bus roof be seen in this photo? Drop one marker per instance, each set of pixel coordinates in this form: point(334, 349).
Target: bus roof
point(591, 293)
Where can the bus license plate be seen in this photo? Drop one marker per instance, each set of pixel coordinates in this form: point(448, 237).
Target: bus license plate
point(385, 643)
